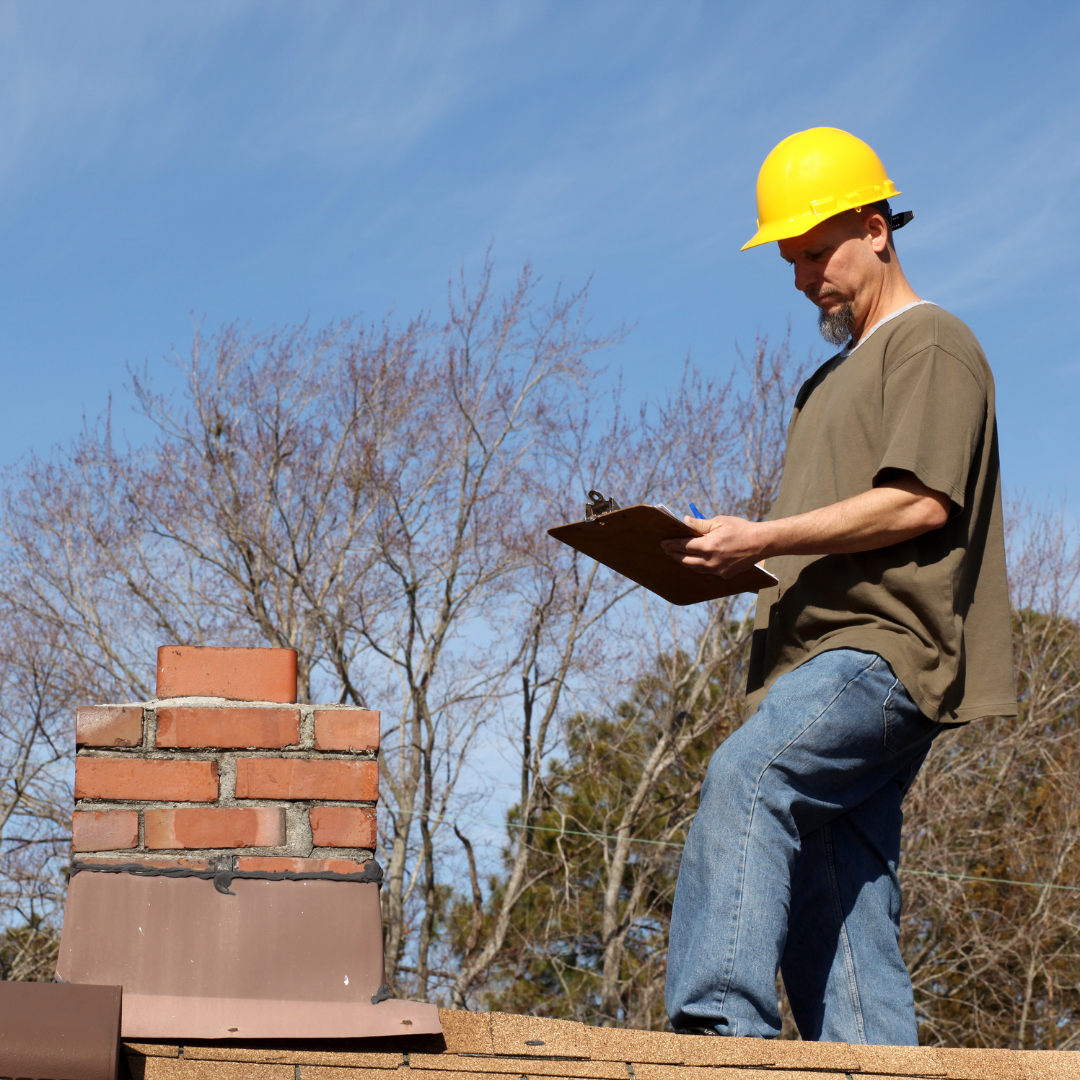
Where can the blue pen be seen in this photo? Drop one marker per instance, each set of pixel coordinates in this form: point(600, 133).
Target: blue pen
point(696, 512)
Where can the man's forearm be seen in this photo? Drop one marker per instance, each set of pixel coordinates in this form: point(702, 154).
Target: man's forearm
point(875, 519)
point(898, 510)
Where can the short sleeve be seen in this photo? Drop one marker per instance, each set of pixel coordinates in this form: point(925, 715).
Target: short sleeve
point(933, 416)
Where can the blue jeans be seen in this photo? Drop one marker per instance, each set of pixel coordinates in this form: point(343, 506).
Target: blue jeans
point(791, 862)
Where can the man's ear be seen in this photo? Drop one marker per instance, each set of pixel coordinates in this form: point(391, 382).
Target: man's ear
point(877, 229)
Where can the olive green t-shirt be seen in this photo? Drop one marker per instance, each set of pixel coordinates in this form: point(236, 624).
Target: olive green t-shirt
point(915, 395)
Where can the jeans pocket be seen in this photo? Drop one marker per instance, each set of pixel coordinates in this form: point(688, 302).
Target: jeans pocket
point(902, 724)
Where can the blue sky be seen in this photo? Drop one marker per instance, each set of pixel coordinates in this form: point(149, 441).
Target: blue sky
point(273, 161)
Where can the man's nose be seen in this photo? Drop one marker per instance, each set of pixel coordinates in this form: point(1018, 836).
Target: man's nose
point(805, 277)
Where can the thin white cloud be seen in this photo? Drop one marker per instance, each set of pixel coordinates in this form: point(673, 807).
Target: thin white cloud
point(247, 84)
point(77, 80)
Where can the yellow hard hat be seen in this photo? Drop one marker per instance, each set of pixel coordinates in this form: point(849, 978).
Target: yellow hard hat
point(813, 175)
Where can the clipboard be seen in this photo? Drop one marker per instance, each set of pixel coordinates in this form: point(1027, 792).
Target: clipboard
point(628, 542)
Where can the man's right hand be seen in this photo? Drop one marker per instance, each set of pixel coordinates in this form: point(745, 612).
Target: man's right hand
point(727, 546)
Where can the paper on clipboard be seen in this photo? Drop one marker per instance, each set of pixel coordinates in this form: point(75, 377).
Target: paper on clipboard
point(628, 542)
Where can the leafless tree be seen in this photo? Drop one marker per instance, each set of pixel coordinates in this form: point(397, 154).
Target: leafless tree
point(36, 750)
point(996, 963)
point(454, 538)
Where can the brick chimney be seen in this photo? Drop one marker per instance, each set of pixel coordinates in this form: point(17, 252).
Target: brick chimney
point(223, 822)
point(223, 769)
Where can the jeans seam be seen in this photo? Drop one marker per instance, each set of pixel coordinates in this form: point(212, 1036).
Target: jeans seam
point(872, 663)
point(885, 717)
point(838, 910)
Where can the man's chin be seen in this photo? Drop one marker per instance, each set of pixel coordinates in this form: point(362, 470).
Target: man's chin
point(837, 323)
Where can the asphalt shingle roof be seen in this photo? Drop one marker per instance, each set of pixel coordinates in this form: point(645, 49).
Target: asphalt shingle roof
point(501, 1046)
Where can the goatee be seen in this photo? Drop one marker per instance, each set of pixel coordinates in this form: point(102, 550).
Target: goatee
point(836, 327)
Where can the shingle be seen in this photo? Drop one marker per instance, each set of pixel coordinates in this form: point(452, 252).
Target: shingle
point(681, 1072)
point(323, 1072)
point(466, 1032)
point(667, 1048)
point(156, 1068)
point(615, 1044)
point(319, 1072)
point(900, 1061)
point(977, 1064)
point(734, 1059)
point(269, 1055)
point(787, 1074)
point(534, 1035)
point(794, 1054)
point(1049, 1064)
point(653, 1071)
point(705, 1050)
point(590, 1070)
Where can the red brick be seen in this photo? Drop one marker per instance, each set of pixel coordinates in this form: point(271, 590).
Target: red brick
point(139, 779)
point(236, 674)
point(262, 826)
point(104, 830)
point(275, 865)
point(346, 729)
point(225, 727)
point(108, 725)
point(296, 778)
point(343, 826)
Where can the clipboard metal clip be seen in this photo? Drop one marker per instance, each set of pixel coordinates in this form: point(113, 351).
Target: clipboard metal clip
point(599, 505)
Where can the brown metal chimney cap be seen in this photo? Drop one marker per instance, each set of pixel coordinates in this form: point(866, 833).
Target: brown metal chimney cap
point(57, 1031)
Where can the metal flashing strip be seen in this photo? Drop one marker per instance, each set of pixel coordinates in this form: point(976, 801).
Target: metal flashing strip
point(54, 1032)
point(277, 959)
point(222, 879)
point(176, 1017)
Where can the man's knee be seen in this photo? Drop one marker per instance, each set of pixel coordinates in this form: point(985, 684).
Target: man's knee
point(736, 763)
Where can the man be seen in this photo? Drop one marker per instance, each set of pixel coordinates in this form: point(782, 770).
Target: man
point(890, 622)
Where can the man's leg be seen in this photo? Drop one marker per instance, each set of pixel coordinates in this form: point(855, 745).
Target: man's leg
point(821, 743)
point(842, 967)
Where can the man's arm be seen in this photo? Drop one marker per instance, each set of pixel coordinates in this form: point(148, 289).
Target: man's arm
point(900, 509)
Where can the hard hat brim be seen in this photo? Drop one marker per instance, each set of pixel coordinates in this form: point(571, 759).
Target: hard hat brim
point(787, 228)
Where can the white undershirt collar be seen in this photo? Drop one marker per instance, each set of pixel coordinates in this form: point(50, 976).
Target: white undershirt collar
point(848, 349)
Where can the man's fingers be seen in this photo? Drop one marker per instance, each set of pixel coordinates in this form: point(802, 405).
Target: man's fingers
point(703, 525)
point(695, 563)
point(693, 552)
point(673, 546)
point(688, 557)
